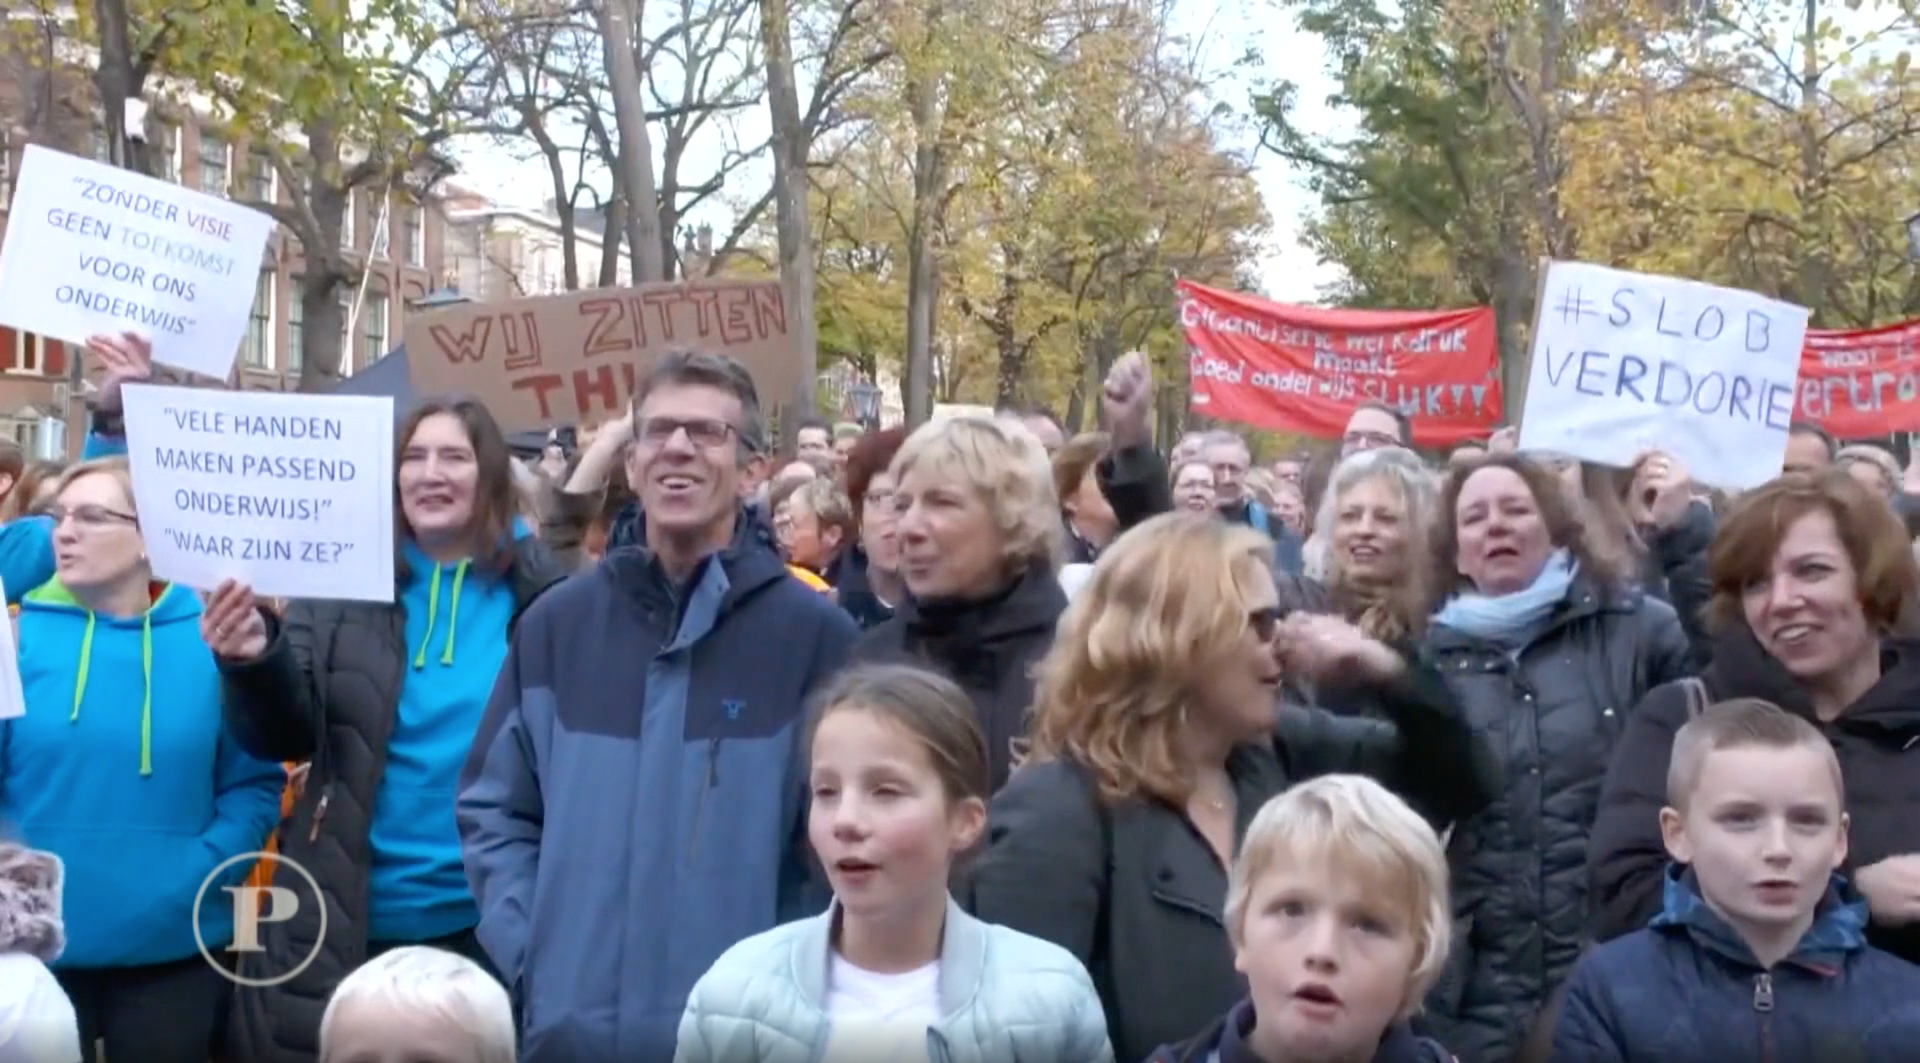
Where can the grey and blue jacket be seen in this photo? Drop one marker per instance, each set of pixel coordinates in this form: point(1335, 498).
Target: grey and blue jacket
point(634, 804)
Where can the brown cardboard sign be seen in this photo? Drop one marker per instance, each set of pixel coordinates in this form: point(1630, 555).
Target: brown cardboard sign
point(574, 359)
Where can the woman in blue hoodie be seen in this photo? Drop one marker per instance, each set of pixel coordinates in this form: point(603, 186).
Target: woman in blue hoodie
point(26, 542)
point(384, 700)
point(121, 768)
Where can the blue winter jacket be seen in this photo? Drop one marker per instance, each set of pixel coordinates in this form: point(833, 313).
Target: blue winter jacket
point(634, 803)
point(1687, 988)
point(26, 543)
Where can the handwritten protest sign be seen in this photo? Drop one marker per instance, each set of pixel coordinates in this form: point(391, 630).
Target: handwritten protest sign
point(13, 698)
point(1861, 383)
point(292, 493)
point(95, 249)
point(1623, 362)
point(575, 358)
point(1302, 369)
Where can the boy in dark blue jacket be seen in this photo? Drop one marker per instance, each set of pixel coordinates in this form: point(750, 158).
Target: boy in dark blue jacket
point(1338, 914)
point(1760, 951)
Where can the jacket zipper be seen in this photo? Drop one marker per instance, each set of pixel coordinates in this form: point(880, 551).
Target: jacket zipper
point(1763, 1003)
point(320, 812)
point(700, 805)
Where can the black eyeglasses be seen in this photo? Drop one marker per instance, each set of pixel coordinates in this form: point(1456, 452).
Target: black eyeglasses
point(702, 431)
point(89, 517)
point(1265, 623)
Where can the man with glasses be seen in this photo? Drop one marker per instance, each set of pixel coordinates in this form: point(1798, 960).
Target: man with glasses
point(634, 803)
point(1227, 455)
point(1374, 425)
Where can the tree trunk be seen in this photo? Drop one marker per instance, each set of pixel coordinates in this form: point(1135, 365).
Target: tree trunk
point(617, 19)
point(791, 145)
point(117, 82)
point(928, 176)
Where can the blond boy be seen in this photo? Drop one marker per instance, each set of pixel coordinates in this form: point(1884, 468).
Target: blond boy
point(1338, 913)
point(1760, 950)
point(418, 1003)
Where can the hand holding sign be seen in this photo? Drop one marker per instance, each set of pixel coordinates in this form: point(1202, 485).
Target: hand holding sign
point(231, 624)
point(125, 359)
point(1661, 491)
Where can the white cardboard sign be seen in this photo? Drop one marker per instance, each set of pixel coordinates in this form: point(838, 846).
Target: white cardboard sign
point(1626, 362)
point(93, 249)
point(291, 493)
point(13, 697)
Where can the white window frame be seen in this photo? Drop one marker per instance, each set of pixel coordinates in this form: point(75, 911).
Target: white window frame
point(417, 235)
point(376, 301)
point(346, 224)
point(226, 170)
point(25, 343)
point(6, 168)
point(296, 324)
point(272, 193)
point(264, 350)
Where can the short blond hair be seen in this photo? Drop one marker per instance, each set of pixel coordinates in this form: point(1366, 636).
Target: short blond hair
point(1741, 723)
point(1002, 462)
point(418, 980)
point(114, 468)
point(1359, 830)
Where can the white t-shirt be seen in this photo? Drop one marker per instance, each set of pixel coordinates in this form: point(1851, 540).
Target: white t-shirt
point(879, 1016)
point(37, 1024)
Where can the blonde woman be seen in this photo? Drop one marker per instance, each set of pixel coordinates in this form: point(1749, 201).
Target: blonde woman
point(1158, 731)
point(977, 525)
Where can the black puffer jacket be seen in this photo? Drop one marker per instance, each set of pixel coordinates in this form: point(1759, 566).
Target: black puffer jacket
point(1877, 740)
point(988, 646)
point(1551, 714)
point(326, 689)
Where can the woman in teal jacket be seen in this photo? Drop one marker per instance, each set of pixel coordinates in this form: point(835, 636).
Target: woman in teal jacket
point(121, 767)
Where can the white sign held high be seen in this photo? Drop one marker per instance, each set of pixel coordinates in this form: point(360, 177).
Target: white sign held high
point(1626, 362)
point(93, 249)
point(13, 697)
point(290, 493)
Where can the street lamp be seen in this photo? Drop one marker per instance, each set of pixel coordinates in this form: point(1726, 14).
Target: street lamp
point(866, 403)
point(1913, 237)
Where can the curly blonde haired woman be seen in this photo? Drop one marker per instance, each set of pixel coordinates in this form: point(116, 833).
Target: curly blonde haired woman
point(977, 526)
point(1158, 731)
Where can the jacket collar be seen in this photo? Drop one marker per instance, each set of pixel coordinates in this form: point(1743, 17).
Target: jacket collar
point(1398, 1045)
point(1839, 924)
point(963, 957)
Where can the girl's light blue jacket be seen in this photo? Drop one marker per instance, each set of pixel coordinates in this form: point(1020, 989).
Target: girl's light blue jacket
point(1004, 998)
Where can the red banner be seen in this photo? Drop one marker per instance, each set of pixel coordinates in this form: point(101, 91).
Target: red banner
point(1302, 369)
point(1861, 383)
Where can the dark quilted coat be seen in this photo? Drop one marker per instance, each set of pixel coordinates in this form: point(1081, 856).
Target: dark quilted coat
point(326, 689)
point(1550, 714)
point(1877, 740)
point(988, 646)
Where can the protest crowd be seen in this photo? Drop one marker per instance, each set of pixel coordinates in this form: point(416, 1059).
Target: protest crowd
point(690, 737)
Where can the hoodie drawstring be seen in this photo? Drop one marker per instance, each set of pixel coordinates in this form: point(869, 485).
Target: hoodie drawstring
point(86, 659)
point(146, 684)
point(433, 615)
point(453, 612)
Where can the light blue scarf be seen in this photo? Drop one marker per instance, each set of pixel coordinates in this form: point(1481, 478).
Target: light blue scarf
point(1512, 619)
